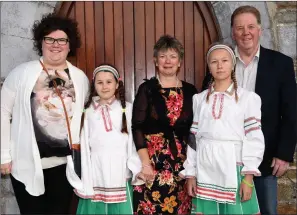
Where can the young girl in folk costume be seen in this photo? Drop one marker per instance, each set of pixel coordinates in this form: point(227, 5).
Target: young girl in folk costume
point(108, 154)
point(226, 144)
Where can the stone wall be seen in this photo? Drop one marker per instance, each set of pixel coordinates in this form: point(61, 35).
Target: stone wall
point(283, 16)
point(17, 19)
point(284, 22)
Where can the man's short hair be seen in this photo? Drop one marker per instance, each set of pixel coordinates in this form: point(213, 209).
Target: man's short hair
point(246, 9)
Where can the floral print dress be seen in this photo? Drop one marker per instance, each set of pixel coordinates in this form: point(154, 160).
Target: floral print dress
point(167, 194)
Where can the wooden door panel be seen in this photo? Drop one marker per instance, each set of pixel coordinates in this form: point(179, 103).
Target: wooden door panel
point(81, 52)
point(129, 57)
point(169, 17)
point(179, 31)
point(199, 45)
point(149, 38)
point(140, 59)
point(99, 33)
point(108, 32)
point(189, 42)
point(160, 19)
point(123, 34)
point(119, 38)
point(90, 38)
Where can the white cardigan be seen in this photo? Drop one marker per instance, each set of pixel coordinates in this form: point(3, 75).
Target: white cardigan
point(18, 143)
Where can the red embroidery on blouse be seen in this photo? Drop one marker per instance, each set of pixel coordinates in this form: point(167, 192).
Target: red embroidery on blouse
point(105, 115)
point(106, 119)
point(221, 106)
point(252, 129)
point(252, 118)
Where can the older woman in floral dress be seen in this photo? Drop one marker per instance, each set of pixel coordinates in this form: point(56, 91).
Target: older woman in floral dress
point(162, 115)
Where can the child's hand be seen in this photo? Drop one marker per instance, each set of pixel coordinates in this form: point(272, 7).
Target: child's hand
point(191, 186)
point(246, 190)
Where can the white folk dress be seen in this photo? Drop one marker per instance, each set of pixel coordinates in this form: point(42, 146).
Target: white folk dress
point(224, 142)
point(109, 157)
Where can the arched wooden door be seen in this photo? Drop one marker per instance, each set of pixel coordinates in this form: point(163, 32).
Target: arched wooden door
point(124, 33)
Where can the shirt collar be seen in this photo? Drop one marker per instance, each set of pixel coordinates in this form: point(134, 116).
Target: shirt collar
point(238, 56)
point(109, 104)
point(229, 92)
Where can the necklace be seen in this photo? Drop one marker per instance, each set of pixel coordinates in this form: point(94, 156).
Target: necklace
point(163, 85)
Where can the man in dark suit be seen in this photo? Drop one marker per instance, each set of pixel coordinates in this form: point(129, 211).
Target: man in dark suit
point(271, 75)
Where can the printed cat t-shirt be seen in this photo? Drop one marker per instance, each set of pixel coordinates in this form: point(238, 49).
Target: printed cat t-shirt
point(48, 114)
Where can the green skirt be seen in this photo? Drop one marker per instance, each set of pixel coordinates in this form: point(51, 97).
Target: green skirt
point(86, 206)
point(202, 206)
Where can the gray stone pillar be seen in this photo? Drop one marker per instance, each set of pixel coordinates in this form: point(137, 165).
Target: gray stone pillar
point(17, 19)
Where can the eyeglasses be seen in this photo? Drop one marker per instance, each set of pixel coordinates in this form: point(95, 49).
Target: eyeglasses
point(50, 40)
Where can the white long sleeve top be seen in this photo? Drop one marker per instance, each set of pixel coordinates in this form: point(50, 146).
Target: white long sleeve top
point(240, 122)
point(18, 142)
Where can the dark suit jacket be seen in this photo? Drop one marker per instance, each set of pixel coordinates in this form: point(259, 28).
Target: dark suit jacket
point(276, 85)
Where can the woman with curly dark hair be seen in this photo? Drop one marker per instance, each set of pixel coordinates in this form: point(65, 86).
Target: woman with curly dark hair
point(161, 121)
point(41, 107)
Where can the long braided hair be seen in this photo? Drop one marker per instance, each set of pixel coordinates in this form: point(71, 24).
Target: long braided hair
point(235, 84)
point(209, 88)
point(233, 78)
point(120, 95)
